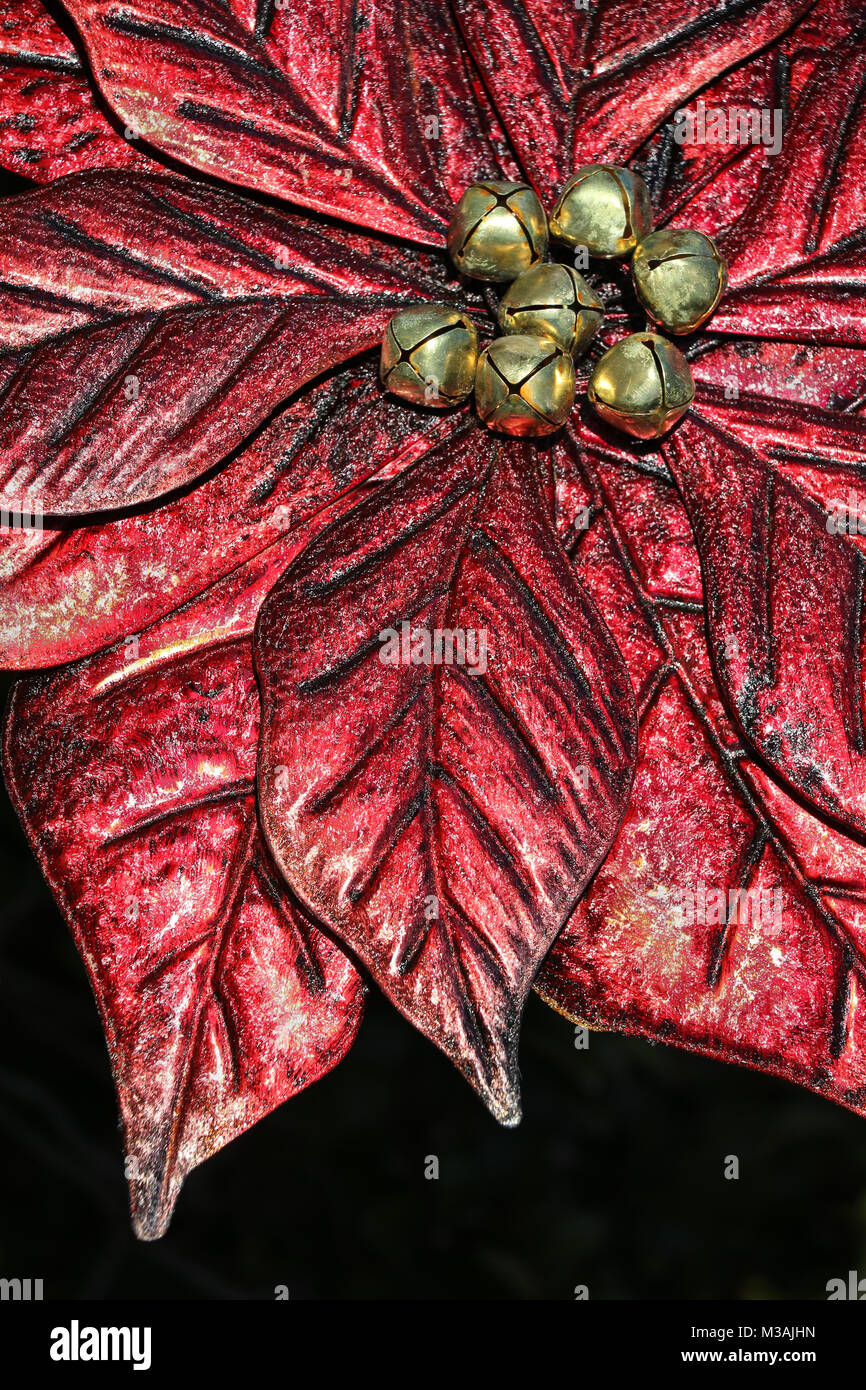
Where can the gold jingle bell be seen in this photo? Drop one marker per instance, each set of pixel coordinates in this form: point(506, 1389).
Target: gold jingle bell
point(552, 301)
point(524, 386)
point(679, 276)
point(498, 230)
point(642, 385)
point(604, 208)
point(429, 355)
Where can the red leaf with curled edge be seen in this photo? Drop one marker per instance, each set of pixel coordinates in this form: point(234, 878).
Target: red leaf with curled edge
point(709, 185)
point(778, 983)
point(797, 255)
point(66, 593)
point(772, 417)
point(365, 110)
point(443, 817)
point(148, 325)
point(784, 594)
point(50, 123)
point(783, 588)
point(574, 86)
point(776, 415)
point(133, 773)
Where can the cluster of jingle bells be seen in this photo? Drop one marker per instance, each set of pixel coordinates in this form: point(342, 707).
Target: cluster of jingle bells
point(524, 382)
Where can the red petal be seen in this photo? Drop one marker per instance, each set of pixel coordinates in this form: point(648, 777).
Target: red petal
point(573, 86)
point(813, 197)
point(827, 22)
point(50, 123)
point(783, 992)
point(444, 822)
point(791, 432)
point(784, 602)
point(159, 323)
point(765, 372)
point(821, 451)
point(823, 303)
point(65, 594)
point(370, 116)
point(708, 186)
point(133, 774)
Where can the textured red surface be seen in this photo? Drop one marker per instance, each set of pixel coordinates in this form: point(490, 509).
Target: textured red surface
point(608, 78)
point(158, 325)
point(448, 831)
point(776, 444)
point(66, 593)
point(769, 559)
point(331, 106)
point(135, 775)
point(51, 124)
point(783, 993)
point(736, 610)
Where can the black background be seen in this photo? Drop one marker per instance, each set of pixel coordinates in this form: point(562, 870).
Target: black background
point(615, 1179)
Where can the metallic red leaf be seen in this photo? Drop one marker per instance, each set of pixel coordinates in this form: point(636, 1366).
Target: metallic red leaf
point(150, 325)
point(364, 110)
point(443, 818)
point(133, 773)
point(797, 255)
point(50, 124)
point(781, 418)
point(66, 593)
point(574, 86)
point(708, 186)
point(812, 197)
point(786, 994)
point(784, 608)
point(747, 379)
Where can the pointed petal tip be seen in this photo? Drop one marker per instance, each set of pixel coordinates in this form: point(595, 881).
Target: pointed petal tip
point(148, 1225)
point(501, 1095)
point(151, 1207)
point(145, 1232)
point(510, 1119)
point(507, 1110)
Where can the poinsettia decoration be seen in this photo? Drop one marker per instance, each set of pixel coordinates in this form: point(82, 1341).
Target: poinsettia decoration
point(242, 812)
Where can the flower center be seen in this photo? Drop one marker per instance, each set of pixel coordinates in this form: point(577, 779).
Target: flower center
point(610, 297)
